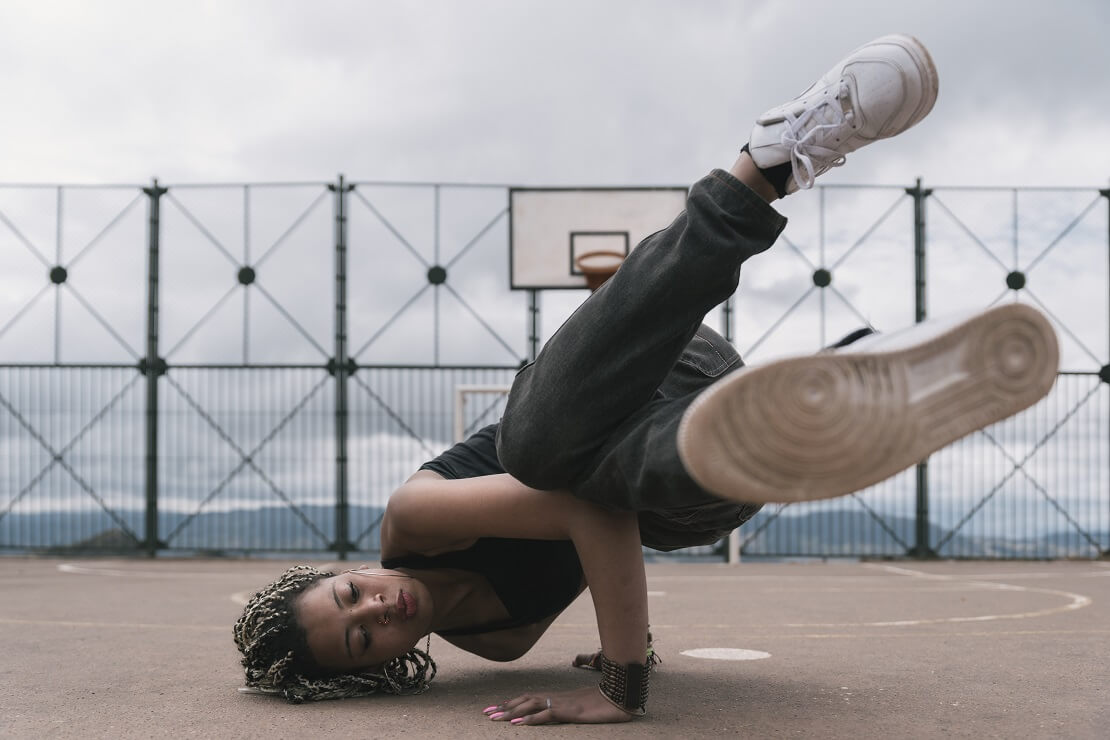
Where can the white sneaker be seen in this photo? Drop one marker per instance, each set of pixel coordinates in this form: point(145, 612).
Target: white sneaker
point(826, 425)
point(879, 90)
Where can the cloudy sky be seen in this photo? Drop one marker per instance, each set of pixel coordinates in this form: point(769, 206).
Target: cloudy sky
point(526, 91)
point(575, 92)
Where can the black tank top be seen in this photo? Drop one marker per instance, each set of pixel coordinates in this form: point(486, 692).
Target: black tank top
point(534, 579)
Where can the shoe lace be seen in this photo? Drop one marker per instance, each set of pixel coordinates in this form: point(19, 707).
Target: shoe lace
point(808, 158)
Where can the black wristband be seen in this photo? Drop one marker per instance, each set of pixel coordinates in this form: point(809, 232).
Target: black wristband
point(625, 686)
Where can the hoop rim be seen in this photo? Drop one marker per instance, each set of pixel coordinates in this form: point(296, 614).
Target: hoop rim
point(579, 262)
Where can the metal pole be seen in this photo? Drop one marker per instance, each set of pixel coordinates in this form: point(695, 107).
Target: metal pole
point(922, 547)
point(152, 366)
point(58, 286)
point(435, 286)
point(1104, 373)
point(732, 547)
point(533, 324)
point(341, 369)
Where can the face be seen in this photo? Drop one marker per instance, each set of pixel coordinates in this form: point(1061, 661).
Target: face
point(363, 618)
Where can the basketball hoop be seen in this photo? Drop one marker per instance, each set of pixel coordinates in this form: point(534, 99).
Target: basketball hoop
point(598, 266)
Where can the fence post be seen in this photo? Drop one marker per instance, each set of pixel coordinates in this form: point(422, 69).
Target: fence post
point(152, 366)
point(922, 547)
point(533, 324)
point(1104, 372)
point(732, 546)
point(341, 367)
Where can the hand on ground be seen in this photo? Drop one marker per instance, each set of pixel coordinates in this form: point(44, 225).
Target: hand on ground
point(585, 706)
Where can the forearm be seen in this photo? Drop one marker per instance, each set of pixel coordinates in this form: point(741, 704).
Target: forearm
point(608, 545)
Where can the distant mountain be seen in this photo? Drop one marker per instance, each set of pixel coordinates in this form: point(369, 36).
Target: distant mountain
point(836, 533)
point(852, 533)
point(232, 532)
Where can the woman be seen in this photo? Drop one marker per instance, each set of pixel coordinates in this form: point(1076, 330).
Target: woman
point(611, 440)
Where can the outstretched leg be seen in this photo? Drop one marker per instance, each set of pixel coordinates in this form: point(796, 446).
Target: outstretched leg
point(823, 426)
point(610, 357)
point(588, 414)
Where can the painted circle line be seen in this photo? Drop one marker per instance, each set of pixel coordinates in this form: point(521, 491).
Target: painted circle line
point(726, 654)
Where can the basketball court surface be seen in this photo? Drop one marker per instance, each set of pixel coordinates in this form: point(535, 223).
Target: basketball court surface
point(143, 648)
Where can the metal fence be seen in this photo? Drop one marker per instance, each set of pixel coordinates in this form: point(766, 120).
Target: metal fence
point(255, 367)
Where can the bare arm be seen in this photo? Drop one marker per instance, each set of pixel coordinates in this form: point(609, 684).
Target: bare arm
point(429, 514)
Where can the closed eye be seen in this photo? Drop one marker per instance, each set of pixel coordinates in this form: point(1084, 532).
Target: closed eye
point(365, 639)
point(354, 592)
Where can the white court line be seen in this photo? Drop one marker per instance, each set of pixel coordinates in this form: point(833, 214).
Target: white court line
point(1035, 574)
point(759, 577)
point(1104, 571)
point(790, 635)
point(239, 597)
point(924, 635)
point(897, 589)
point(1075, 601)
point(125, 625)
point(717, 653)
point(86, 570)
point(1019, 576)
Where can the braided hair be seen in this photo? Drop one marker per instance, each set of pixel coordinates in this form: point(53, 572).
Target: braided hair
point(277, 660)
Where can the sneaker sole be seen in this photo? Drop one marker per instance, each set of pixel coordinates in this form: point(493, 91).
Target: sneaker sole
point(816, 427)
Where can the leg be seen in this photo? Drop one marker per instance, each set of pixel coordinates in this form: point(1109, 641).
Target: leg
point(610, 358)
point(588, 414)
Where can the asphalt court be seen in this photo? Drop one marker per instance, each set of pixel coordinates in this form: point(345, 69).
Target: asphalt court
point(136, 648)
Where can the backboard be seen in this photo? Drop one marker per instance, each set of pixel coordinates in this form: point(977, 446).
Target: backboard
point(549, 228)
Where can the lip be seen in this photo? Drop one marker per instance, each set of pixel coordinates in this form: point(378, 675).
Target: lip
point(406, 605)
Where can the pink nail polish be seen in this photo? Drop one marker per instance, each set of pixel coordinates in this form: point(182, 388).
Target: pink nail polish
point(516, 721)
point(499, 715)
point(487, 710)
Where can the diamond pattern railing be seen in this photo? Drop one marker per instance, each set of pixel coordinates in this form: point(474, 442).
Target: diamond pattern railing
point(242, 368)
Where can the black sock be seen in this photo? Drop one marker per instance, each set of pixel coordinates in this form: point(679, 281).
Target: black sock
point(777, 175)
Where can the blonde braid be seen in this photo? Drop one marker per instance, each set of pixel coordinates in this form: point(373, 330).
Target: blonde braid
point(276, 658)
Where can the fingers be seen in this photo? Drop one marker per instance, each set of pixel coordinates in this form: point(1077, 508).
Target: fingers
point(529, 709)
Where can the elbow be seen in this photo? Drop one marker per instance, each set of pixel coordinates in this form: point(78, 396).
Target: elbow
point(401, 504)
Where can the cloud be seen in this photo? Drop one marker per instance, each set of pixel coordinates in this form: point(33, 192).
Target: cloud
point(527, 92)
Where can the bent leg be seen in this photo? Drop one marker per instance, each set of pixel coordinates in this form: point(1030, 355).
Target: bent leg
point(607, 362)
